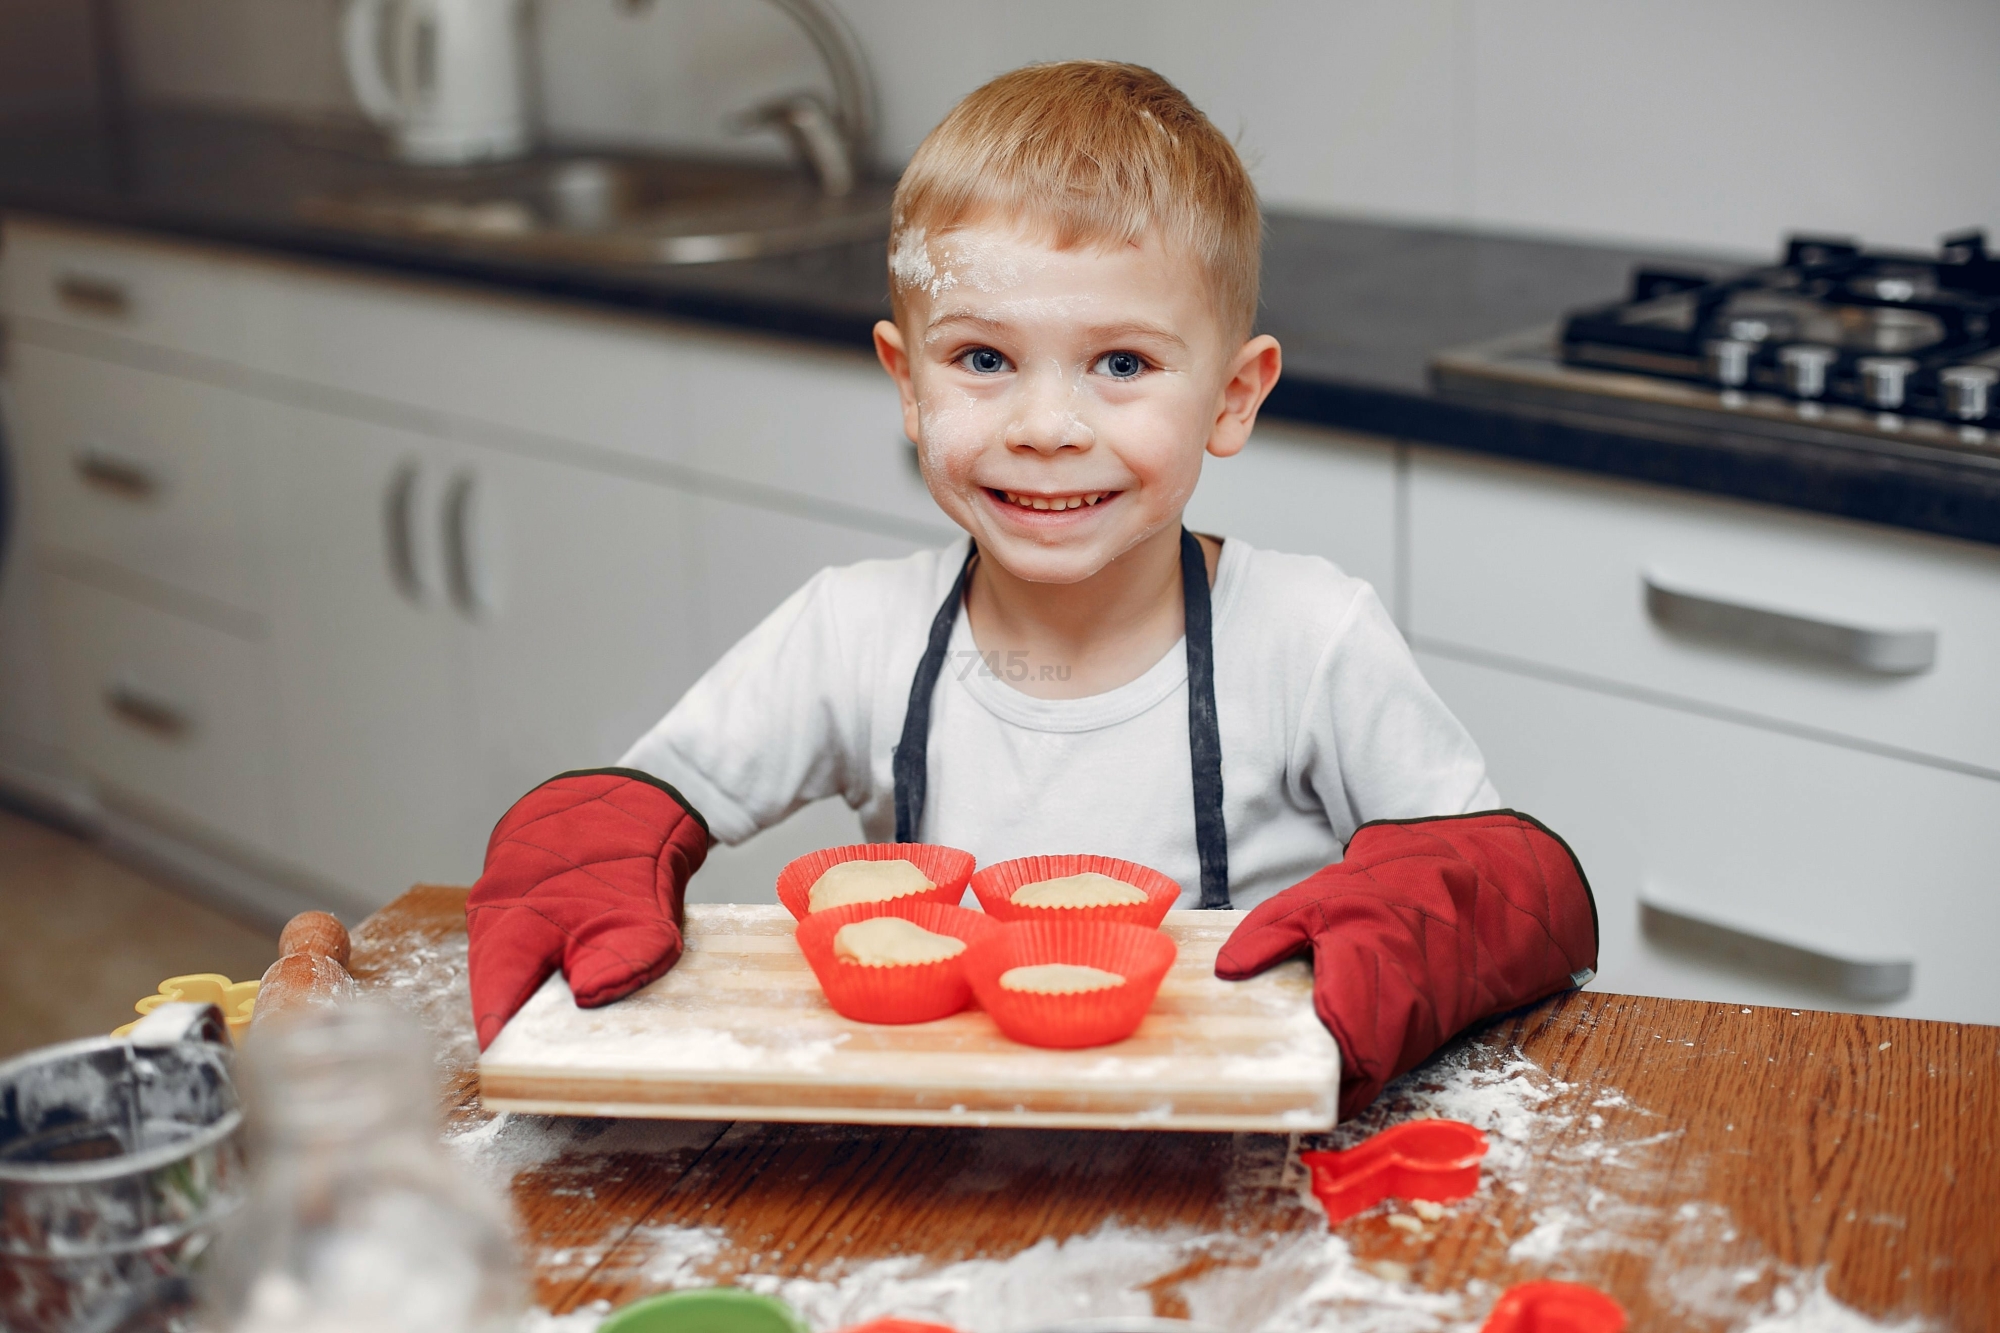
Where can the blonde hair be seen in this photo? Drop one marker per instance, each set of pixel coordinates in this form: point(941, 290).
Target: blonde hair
point(1101, 153)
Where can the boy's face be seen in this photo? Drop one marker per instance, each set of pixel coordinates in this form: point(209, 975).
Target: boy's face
point(1062, 400)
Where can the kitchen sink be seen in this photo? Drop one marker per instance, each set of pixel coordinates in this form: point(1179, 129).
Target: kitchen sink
point(611, 209)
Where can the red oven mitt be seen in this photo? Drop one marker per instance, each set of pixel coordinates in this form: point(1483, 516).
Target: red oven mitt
point(1424, 928)
point(587, 872)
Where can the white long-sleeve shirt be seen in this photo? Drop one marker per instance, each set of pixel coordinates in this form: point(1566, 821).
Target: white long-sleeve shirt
point(1325, 724)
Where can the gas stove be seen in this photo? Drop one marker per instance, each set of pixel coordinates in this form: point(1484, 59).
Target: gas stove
point(1834, 344)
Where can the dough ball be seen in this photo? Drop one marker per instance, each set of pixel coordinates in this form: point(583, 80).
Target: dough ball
point(865, 882)
point(1059, 979)
point(1089, 889)
point(890, 941)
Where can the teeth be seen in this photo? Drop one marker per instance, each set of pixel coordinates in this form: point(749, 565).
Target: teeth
point(1058, 502)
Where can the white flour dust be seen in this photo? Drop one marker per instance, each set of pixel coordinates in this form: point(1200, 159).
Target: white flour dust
point(1583, 1165)
point(912, 267)
point(1804, 1307)
point(1572, 1168)
point(429, 983)
point(583, 1319)
point(1296, 1282)
point(552, 1031)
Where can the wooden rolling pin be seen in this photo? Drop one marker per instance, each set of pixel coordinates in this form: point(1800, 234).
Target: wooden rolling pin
point(311, 968)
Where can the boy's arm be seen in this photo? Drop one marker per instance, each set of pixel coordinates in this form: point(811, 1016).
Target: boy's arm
point(1424, 928)
point(1374, 740)
point(588, 872)
point(1443, 910)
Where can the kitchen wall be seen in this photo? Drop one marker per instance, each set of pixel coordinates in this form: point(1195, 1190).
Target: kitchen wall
point(45, 56)
point(1704, 123)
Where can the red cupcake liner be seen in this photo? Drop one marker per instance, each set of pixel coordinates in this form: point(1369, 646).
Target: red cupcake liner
point(995, 886)
point(916, 993)
point(1092, 1018)
point(946, 867)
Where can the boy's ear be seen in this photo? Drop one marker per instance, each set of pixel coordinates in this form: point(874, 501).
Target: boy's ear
point(1252, 374)
point(895, 358)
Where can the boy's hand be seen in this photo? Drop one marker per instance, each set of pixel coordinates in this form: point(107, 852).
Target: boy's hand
point(587, 872)
point(1423, 929)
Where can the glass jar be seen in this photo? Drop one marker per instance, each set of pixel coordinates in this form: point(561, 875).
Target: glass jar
point(358, 1218)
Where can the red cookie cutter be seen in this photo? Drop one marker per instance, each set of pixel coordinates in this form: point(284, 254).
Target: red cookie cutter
point(899, 1326)
point(1555, 1307)
point(1419, 1159)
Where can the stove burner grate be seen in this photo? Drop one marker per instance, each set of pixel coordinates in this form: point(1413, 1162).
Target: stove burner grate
point(1891, 333)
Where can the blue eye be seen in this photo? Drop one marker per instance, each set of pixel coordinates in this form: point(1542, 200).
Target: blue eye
point(1121, 365)
point(984, 361)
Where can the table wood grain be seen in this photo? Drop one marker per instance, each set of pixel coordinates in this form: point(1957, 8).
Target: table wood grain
point(1699, 1161)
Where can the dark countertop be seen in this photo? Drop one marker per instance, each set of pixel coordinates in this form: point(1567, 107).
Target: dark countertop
point(1359, 306)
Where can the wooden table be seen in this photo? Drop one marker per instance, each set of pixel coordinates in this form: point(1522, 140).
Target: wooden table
point(1706, 1164)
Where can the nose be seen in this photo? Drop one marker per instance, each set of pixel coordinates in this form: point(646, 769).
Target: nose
point(1048, 420)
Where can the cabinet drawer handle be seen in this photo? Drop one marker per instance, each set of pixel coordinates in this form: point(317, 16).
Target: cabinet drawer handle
point(406, 567)
point(1882, 652)
point(126, 478)
point(148, 711)
point(89, 294)
point(1872, 979)
point(472, 557)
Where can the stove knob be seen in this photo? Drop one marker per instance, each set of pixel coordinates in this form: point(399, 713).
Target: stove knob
point(1805, 368)
point(1883, 379)
point(1968, 390)
point(1729, 361)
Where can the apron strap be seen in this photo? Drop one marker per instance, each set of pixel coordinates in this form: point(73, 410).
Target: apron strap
point(911, 762)
point(1211, 838)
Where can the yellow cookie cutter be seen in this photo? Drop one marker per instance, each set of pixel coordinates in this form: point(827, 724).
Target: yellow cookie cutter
point(236, 999)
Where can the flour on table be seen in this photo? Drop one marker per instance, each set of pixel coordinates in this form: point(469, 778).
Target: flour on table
point(1291, 1282)
point(430, 984)
point(1805, 1307)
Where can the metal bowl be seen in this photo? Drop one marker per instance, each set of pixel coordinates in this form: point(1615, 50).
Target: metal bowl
point(117, 1161)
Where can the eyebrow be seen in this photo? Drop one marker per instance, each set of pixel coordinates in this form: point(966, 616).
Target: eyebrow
point(1096, 332)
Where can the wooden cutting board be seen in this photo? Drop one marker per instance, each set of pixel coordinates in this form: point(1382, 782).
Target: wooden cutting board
point(740, 1031)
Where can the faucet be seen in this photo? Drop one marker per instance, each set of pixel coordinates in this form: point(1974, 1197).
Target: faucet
point(836, 143)
point(839, 153)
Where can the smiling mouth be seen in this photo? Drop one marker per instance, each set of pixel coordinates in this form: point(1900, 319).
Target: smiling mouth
point(1022, 500)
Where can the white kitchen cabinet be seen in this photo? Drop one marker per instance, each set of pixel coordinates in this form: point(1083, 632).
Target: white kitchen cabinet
point(743, 416)
point(170, 717)
point(1308, 492)
point(370, 659)
point(159, 294)
point(747, 561)
point(139, 491)
point(149, 473)
point(1785, 828)
point(1585, 576)
point(1825, 849)
point(579, 621)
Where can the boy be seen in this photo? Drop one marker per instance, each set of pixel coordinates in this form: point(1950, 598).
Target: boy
point(1074, 269)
